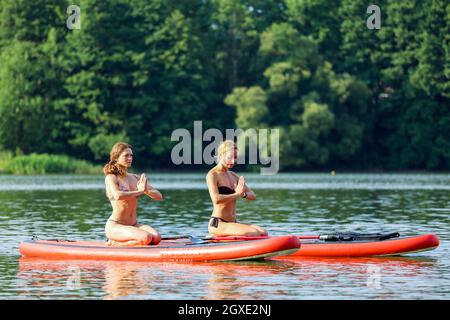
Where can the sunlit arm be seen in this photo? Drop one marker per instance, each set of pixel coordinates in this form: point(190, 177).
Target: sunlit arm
point(154, 194)
point(250, 194)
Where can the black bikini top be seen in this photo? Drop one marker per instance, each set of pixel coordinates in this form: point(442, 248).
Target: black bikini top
point(225, 190)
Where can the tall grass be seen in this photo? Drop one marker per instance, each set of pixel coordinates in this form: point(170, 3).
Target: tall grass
point(5, 157)
point(46, 163)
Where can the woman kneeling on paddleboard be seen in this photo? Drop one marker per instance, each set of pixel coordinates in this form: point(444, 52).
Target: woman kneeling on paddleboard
point(123, 190)
point(225, 187)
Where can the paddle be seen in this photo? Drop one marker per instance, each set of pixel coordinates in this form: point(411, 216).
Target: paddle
point(349, 236)
point(193, 240)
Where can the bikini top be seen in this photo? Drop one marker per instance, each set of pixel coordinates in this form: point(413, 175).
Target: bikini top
point(121, 188)
point(225, 190)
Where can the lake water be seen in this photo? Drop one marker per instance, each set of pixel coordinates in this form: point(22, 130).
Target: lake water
point(75, 207)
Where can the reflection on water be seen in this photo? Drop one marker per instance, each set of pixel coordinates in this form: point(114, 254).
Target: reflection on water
point(294, 278)
point(132, 280)
point(75, 207)
point(374, 278)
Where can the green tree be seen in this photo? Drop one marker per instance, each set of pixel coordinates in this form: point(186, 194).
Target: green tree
point(315, 108)
point(251, 106)
point(318, 19)
point(179, 80)
point(22, 20)
point(415, 41)
point(28, 90)
point(30, 80)
point(105, 82)
point(432, 73)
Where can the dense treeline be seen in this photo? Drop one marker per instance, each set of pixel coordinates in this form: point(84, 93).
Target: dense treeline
point(342, 95)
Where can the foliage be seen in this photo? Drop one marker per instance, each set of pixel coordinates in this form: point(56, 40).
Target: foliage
point(44, 164)
point(341, 94)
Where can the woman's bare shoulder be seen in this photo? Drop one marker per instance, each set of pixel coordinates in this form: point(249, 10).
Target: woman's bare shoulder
point(134, 175)
point(110, 180)
point(111, 177)
point(212, 174)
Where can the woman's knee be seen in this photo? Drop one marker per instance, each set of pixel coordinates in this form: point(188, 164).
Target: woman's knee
point(263, 232)
point(144, 238)
point(108, 233)
point(156, 238)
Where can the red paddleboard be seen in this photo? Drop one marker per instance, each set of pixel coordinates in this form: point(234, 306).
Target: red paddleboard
point(313, 246)
point(166, 250)
point(367, 248)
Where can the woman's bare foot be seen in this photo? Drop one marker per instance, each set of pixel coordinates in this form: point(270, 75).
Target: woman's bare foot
point(122, 243)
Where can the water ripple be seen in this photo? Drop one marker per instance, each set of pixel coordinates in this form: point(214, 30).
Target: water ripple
point(75, 207)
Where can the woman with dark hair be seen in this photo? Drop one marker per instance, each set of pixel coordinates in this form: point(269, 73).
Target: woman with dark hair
point(123, 190)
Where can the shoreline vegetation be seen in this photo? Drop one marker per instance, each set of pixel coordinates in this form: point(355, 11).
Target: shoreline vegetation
point(45, 164)
point(42, 164)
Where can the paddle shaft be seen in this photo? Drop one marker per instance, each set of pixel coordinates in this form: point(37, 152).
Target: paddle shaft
point(234, 238)
point(222, 238)
point(330, 237)
point(326, 237)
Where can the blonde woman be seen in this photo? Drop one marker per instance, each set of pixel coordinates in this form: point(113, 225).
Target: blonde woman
point(225, 187)
point(123, 190)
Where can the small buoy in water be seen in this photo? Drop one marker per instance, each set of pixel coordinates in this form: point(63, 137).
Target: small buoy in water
point(333, 173)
